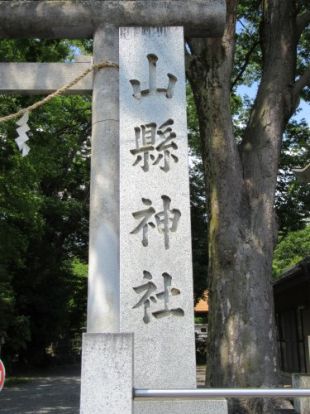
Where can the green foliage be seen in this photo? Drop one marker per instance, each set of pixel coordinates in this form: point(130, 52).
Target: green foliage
point(292, 197)
point(35, 50)
point(200, 319)
point(248, 56)
point(292, 249)
point(199, 221)
point(43, 219)
point(198, 202)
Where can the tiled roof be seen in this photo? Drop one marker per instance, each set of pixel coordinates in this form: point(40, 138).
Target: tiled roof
point(202, 305)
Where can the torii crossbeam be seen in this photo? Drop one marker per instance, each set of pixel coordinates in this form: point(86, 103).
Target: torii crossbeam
point(55, 19)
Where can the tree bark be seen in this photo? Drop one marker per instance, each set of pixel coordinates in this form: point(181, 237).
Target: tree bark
point(241, 187)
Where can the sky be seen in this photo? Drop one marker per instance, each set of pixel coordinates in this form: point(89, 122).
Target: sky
point(303, 111)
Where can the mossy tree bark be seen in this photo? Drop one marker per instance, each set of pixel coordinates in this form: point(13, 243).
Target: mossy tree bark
point(241, 180)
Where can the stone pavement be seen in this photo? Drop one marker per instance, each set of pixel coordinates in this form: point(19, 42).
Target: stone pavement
point(57, 394)
point(50, 395)
point(42, 395)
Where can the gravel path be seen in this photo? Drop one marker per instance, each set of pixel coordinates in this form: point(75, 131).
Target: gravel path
point(48, 395)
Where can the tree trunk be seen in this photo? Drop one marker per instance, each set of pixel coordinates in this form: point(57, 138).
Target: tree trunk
point(241, 188)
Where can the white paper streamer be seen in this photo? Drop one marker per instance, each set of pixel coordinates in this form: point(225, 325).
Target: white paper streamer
point(22, 134)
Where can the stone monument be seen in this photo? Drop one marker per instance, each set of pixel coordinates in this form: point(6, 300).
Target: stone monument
point(140, 328)
point(155, 244)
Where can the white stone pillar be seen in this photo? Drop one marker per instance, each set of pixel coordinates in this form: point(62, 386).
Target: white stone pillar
point(155, 233)
point(155, 246)
point(103, 280)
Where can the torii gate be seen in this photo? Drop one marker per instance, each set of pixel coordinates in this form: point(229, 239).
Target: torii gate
point(100, 20)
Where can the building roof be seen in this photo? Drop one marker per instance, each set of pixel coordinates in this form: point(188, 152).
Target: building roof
point(202, 305)
point(292, 291)
point(294, 275)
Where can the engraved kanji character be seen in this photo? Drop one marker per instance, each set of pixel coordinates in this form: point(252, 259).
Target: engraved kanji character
point(148, 288)
point(165, 295)
point(145, 140)
point(167, 220)
point(149, 297)
point(145, 214)
point(167, 144)
point(153, 89)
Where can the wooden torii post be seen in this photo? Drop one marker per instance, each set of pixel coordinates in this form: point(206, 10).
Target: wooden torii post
point(101, 20)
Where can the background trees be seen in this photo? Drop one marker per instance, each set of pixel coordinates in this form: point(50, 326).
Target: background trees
point(43, 219)
point(293, 248)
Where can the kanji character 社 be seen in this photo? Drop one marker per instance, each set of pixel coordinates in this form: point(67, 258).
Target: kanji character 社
point(150, 297)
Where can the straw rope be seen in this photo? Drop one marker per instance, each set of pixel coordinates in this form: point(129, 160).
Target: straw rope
point(60, 91)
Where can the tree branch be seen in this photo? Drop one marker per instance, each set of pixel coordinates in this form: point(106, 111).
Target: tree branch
point(195, 47)
point(302, 22)
point(302, 82)
point(245, 64)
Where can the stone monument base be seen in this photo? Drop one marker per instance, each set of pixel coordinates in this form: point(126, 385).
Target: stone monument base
point(215, 406)
point(107, 373)
point(107, 381)
point(301, 405)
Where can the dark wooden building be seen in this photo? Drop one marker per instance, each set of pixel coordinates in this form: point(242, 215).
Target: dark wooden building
point(292, 307)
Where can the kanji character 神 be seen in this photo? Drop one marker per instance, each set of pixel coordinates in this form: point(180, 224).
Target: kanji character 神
point(166, 220)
